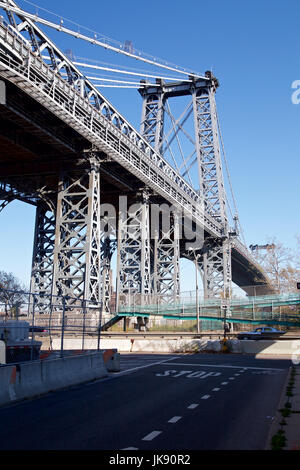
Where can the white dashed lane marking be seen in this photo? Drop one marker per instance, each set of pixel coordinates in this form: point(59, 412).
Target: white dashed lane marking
point(215, 389)
point(223, 366)
point(174, 419)
point(151, 436)
point(205, 397)
point(193, 406)
point(224, 383)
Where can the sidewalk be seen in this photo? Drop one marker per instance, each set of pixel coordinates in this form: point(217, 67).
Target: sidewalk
point(285, 430)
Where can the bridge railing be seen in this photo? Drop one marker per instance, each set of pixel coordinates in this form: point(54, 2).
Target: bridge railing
point(102, 125)
point(260, 308)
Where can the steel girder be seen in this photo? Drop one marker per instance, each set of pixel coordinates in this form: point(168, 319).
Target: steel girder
point(166, 252)
point(77, 238)
point(108, 246)
point(82, 107)
point(79, 229)
point(215, 268)
point(133, 264)
point(215, 262)
point(211, 182)
point(152, 125)
point(42, 259)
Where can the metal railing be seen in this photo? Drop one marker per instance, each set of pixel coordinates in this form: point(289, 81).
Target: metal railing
point(121, 141)
point(276, 308)
point(61, 319)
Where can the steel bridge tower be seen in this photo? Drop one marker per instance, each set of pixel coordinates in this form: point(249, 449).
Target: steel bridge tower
point(214, 256)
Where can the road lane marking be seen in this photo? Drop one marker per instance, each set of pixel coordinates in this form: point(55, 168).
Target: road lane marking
point(191, 374)
point(193, 406)
point(151, 436)
point(236, 375)
point(165, 361)
point(231, 378)
point(216, 389)
point(224, 383)
point(174, 419)
point(130, 448)
point(224, 366)
point(205, 397)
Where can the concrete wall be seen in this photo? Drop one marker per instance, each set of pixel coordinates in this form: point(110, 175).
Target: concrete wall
point(134, 345)
point(30, 379)
point(281, 347)
point(274, 348)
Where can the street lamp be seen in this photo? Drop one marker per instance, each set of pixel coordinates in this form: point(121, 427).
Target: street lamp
point(196, 257)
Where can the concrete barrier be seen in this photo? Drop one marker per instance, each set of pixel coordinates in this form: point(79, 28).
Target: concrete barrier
point(2, 352)
point(8, 376)
point(154, 345)
point(29, 381)
point(288, 348)
point(214, 346)
point(234, 345)
point(98, 365)
point(72, 370)
point(123, 345)
point(111, 359)
point(39, 377)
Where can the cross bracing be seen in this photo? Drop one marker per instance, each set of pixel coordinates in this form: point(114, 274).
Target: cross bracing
point(57, 85)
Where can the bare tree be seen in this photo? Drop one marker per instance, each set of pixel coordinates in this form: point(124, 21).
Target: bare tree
point(11, 293)
point(278, 262)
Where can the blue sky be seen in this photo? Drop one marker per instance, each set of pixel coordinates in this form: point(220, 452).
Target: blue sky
point(253, 49)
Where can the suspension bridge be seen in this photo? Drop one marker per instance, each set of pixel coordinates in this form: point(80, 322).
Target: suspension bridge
point(99, 185)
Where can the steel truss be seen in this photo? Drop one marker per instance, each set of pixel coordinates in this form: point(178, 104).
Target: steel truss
point(166, 253)
point(208, 151)
point(215, 268)
point(59, 86)
point(133, 264)
point(77, 237)
point(42, 259)
point(152, 125)
point(216, 265)
point(108, 243)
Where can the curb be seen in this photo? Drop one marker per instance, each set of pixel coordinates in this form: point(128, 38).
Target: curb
point(291, 429)
point(275, 424)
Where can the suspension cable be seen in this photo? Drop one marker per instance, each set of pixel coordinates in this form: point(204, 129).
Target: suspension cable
point(59, 27)
point(126, 72)
point(229, 180)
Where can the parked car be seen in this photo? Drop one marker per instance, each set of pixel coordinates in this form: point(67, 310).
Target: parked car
point(37, 329)
point(259, 333)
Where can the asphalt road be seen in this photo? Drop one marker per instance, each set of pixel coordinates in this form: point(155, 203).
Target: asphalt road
point(156, 402)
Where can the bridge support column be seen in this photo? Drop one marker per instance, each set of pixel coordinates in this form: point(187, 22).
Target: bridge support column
point(42, 259)
point(152, 124)
point(133, 264)
point(216, 269)
point(166, 252)
point(108, 246)
point(77, 237)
